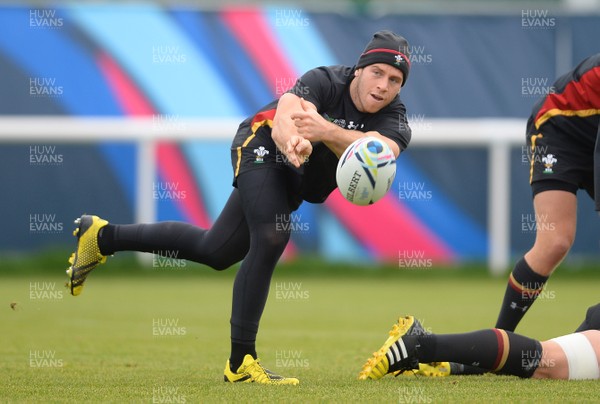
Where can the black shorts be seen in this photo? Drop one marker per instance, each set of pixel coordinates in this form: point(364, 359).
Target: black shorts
point(254, 151)
point(258, 151)
point(561, 154)
point(592, 319)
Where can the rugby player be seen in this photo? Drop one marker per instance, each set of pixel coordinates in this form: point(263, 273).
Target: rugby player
point(562, 134)
point(283, 155)
point(410, 349)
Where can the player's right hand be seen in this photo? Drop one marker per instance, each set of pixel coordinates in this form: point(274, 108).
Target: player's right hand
point(297, 150)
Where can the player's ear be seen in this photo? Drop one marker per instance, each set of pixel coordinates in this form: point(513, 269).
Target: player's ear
point(357, 72)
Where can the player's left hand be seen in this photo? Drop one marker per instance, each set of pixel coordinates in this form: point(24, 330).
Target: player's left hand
point(309, 123)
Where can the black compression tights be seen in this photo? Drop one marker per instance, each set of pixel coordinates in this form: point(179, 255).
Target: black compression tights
point(246, 229)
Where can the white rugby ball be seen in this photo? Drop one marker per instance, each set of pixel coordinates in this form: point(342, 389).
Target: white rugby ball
point(366, 171)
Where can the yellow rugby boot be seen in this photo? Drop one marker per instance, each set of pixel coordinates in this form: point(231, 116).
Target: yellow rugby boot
point(433, 369)
point(398, 353)
point(87, 255)
point(251, 371)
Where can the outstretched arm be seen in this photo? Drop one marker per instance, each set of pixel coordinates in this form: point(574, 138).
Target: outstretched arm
point(296, 116)
point(312, 126)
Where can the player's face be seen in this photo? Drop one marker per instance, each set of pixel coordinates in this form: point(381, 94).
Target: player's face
point(375, 86)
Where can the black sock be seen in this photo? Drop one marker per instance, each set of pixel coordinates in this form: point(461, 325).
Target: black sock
point(460, 369)
point(156, 238)
point(238, 351)
point(493, 349)
point(106, 237)
point(524, 286)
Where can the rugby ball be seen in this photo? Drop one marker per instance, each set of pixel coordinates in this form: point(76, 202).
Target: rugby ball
point(366, 170)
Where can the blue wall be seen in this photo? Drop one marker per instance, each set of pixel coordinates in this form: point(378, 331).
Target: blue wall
point(462, 67)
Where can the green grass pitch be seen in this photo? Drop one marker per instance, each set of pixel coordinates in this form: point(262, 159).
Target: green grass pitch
point(163, 335)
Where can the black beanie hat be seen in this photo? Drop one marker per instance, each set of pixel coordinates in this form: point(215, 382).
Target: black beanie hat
point(387, 47)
